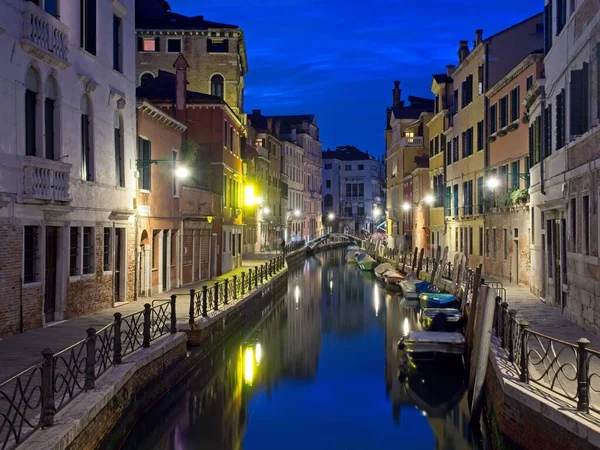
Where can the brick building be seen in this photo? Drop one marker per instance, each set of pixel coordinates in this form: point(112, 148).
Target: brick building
point(215, 187)
point(66, 177)
point(215, 51)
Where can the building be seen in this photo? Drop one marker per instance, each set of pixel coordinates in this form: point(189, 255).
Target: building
point(67, 160)
point(159, 191)
point(422, 201)
point(270, 214)
point(564, 134)
point(442, 88)
point(506, 218)
point(293, 168)
point(255, 171)
point(353, 189)
point(467, 149)
point(216, 51)
point(405, 141)
point(303, 131)
point(212, 197)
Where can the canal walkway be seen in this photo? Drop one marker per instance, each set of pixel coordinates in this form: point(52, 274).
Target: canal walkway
point(21, 351)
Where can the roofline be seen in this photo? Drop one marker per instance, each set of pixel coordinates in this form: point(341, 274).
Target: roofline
point(221, 105)
point(541, 13)
point(526, 62)
point(148, 108)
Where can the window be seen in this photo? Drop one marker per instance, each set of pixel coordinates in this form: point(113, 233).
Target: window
point(586, 224)
point(480, 241)
point(87, 162)
point(328, 166)
point(230, 140)
point(431, 148)
point(480, 79)
point(145, 170)
point(470, 240)
point(30, 254)
point(355, 190)
point(480, 136)
point(216, 85)
point(561, 113)
point(328, 201)
point(119, 159)
point(117, 59)
point(455, 200)
point(173, 45)
point(436, 145)
point(88, 26)
point(561, 15)
point(348, 190)
point(145, 78)
point(455, 104)
point(173, 247)
point(579, 91)
point(174, 185)
point(31, 93)
point(467, 91)
point(361, 167)
point(547, 27)
point(480, 195)
point(493, 118)
point(515, 176)
point(487, 242)
point(505, 243)
point(49, 119)
point(348, 167)
point(467, 143)
point(468, 197)
point(88, 250)
point(494, 244)
point(462, 242)
point(548, 131)
point(456, 239)
point(573, 216)
point(348, 210)
point(361, 189)
point(74, 252)
point(361, 209)
point(529, 82)
point(515, 107)
point(327, 183)
point(149, 44)
point(226, 135)
point(217, 45)
point(232, 240)
point(455, 149)
point(106, 253)
point(449, 153)
point(437, 104)
point(504, 111)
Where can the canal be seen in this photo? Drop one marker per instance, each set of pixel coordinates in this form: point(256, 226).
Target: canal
point(316, 371)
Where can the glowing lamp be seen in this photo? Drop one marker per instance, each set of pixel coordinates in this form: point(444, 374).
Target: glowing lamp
point(249, 195)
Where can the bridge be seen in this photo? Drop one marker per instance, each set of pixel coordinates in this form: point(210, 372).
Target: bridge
point(333, 238)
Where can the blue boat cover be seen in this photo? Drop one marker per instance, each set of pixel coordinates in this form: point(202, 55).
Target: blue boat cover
point(437, 300)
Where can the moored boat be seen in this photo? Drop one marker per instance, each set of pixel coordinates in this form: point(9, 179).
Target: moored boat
point(383, 268)
point(351, 255)
point(365, 262)
point(440, 311)
point(412, 288)
point(424, 347)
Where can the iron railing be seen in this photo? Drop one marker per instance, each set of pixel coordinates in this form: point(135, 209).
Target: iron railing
point(31, 399)
point(211, 298)
point(569, 370)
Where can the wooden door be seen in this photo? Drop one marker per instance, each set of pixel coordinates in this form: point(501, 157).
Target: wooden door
point(50, 276)
point(117, 272)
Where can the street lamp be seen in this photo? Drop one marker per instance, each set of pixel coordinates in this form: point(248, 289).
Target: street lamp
point(331, 216)
point(429, 199)
point(180, 172)
point(376, 212)
point(297, 213)
point(406, 206)
point(493, 182)
point(266, 210)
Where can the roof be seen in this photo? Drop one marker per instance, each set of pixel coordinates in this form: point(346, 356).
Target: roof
point(163, 89)
point(347, 153)
point(174, 21)
point(418, 105)
point(442, 78)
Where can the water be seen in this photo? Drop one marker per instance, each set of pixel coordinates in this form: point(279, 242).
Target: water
point(318, 372)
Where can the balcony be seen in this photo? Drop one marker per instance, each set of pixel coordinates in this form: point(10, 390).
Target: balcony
point(416, 141)
point(45, 179)
point(44, 36)
point(262, 152)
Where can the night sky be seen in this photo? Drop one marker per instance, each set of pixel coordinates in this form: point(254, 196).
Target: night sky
point(338, 58)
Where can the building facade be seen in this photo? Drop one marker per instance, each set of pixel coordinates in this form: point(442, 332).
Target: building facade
point(353, 191)
point(293, 168)
point(405, 141)
point(564, 134)
point(67, 160)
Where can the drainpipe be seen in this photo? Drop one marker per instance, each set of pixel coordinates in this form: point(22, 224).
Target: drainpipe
point(543, 137)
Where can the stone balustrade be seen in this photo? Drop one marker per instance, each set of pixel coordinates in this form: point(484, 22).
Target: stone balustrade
point(45, 179)
point(416, 141)
point(45, 36)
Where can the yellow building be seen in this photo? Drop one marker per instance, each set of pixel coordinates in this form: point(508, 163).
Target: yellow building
point(442, 89)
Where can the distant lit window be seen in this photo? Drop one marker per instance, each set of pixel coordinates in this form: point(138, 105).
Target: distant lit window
point(149, 45)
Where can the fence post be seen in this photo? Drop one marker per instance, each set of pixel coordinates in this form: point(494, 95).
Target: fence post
point(48, 388)
point(262, 271)
point(173, 314)
point(192, 295)
point(147, 313)
point(234, 296)
point(524, 377)
point(117, 357)
point(504, 320)
point(216, 294)
point(90, 359)
point(583, 403)
point(511, 334)
point(205, 301)
point(255, 277)
point(243, 290)
point(226, 291)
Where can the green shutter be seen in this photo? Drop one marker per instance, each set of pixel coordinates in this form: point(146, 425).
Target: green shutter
point(576, 102)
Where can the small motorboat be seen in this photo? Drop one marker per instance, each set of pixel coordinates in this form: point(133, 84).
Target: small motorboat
point(440, 312)
point(393, 277)
point(412, 287)
point(437, 300)
point(432, 346)
point(351, 255)
point(383, 268)
point(365, 262)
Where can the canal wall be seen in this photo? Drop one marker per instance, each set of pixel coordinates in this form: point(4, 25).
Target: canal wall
point(100, 418)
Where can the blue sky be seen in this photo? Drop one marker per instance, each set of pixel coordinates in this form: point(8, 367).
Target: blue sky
point(338, 58)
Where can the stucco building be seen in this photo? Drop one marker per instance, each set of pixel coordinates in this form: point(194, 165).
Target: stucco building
point(293, 168)
point(353, 191)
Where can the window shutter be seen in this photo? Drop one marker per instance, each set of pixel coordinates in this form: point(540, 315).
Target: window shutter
point(157, 44)
point(91, 26)
point(585, 97)
point(547, 27)
point(140, 43)
point(49, 127)
point(549, 130)
point(531, 144)
point(30, 125)
point(576, 102)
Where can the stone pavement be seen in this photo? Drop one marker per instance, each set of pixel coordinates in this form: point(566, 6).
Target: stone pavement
point(21, 351)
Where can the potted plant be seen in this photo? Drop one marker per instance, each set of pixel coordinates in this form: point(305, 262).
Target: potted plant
point(502, 132)
point(491, 138)
point(519, 196)
point(525, 118)
point(513, 126)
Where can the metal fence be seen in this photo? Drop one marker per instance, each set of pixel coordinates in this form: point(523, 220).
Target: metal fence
point(211, 298)
point(30, 399)
point(569, 370)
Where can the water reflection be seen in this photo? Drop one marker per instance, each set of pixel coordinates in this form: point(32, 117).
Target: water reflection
point(309, 376)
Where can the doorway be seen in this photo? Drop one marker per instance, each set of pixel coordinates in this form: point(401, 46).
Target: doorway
point(165, 260)
point(51, 272)
point(213, 256)
point(556, 234)
point(515, 256)
point(117, 293)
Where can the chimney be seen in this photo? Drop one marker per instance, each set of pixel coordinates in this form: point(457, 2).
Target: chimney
point(463, 51)
point(396, 91)
point(450, 69)
point(293, 135)
point(270, 124)
point(181, 66)
point(478, 36)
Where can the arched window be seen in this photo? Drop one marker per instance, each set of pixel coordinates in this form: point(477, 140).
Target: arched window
point(50, 122)
point(328, 200)
point(145, 78)
point(216, 86)
point(119, 160)
point(87, 169)
point(32, 89)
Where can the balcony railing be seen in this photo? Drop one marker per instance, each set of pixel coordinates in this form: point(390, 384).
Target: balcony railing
point(44, 36)
point(45, 179)
point(416, 141)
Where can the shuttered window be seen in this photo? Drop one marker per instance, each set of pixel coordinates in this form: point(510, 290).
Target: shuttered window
point(560, 120)
point(145, 177)
point(561, 15)
point(515, 100)
point(579, 101)
point(30, 123)
point(88, 26)
point(548, 27)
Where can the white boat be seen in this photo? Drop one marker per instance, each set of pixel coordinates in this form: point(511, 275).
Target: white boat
point(427, 346)
point(381, 269)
